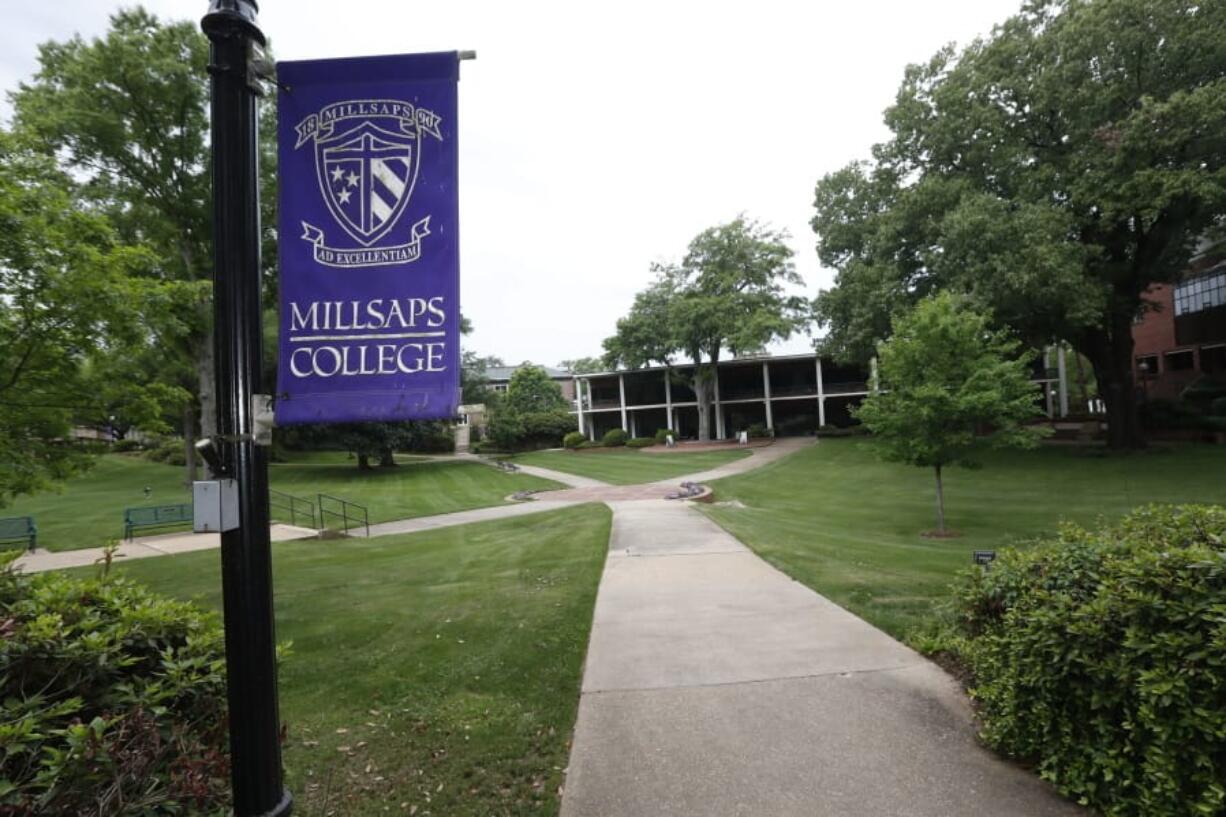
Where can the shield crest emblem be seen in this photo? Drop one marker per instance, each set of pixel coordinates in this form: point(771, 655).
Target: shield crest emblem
point(366, 175)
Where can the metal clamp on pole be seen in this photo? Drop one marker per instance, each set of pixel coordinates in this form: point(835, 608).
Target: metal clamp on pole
point(251, 667)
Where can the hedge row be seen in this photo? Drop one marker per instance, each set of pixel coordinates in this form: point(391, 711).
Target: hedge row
point(1100, 657)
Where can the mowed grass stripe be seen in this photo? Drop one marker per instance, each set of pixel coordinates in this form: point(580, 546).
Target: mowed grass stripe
point(628, 466)
point(88, 509)
point(840, 520)
point(451, 660)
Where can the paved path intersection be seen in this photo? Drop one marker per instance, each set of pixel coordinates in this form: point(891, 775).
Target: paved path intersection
point(715, 686)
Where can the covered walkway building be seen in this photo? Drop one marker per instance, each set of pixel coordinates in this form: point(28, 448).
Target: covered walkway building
point(789, 394)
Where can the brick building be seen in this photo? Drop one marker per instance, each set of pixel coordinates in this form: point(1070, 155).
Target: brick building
point(1182, 337)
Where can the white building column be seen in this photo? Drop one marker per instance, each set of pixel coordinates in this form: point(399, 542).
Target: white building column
point(821, 396)
point(621, 391)
point(766, 393)
point(579, 404)
point(719, 410)
point(1060, 365)
point(591, 426)
point(668, 399)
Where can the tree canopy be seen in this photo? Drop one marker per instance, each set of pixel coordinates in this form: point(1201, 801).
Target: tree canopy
point(1052, 172)
point(531, 389)
point(128, 116)
point(583, 365)
point(949, 384)
point(727, 294)
point(67, 294)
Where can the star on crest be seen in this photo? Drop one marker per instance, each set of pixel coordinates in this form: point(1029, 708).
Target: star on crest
point(337, 174)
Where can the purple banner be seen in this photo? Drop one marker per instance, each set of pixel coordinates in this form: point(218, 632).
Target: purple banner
point(368, 236)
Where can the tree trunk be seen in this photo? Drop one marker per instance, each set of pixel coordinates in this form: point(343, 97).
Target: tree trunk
point(702, 392)
point(387, 458)
point(206, 386)
point(1110, 353)
point(189, 442)
point(363, 461)
point(940, 502)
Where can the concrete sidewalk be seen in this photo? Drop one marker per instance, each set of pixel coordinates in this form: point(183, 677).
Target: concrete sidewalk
point(145, 547)
point(447, 520)
point(569, 480)
point(717, 686)
point(759, 456)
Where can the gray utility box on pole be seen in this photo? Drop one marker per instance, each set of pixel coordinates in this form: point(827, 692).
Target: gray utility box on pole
point(215, 506)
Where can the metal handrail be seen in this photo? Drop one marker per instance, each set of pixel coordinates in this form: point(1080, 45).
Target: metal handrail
point(293, 505)
point(343, 514)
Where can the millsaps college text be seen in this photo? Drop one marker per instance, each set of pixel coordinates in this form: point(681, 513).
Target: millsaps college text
point(383, 336)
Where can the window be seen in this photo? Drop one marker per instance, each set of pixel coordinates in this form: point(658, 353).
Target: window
point(1147, 365)
point(1213, 359)
point(1201, 293)
point(1180, 361)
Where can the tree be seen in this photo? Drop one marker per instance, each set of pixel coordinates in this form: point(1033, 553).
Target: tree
point(583, 365)
point(726, 294)
point(531, 389)
point(474, 382)
point(67, 293)
point(121, 389)
point(532, 413)
point(128, 113)
point(949, 385)
point(1053, 172)
point(377, 441)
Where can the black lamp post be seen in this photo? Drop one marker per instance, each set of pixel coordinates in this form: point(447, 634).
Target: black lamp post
point(246, 561)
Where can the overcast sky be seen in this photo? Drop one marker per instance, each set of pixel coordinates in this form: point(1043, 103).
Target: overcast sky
point(598, 138)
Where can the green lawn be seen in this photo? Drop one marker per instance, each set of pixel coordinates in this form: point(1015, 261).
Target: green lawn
point(629, 466)
point(437, 670)
point(848, 525)
point(89, 508)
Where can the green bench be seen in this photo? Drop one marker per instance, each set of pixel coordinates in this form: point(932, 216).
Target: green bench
point(19, 529)
point(155, 516)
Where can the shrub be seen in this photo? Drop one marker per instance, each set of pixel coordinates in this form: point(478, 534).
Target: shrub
point(1204, 390)
point(834, 431)
point(640, 442)
point(505, 430)
point(758, 431)
point(168, 451)
point(111, 694)
point(590, 444)
point(1218, 407)
point(124, 446)
point(1160, 413)
point(1100, 656)
point(545, 428)
point(574, 439)
point(1179, 415)
point(433, 442)
point(614, 437)
point(662, 435)
point(514, 431)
